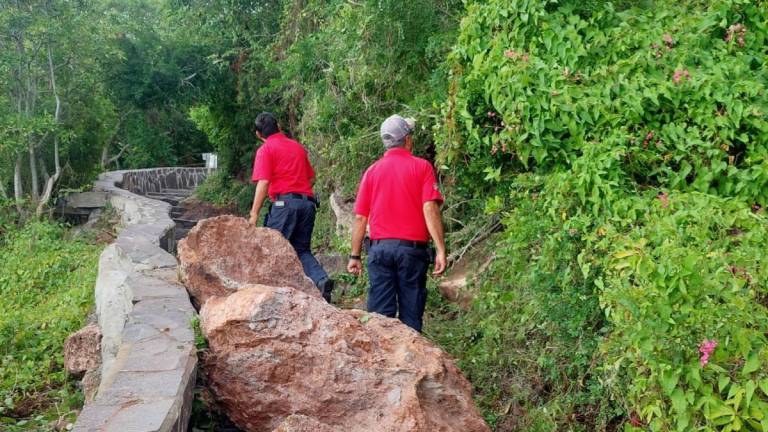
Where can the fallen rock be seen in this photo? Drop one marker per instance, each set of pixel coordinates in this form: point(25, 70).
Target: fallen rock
point(221, 254)
point(276, 351)
point(454, 286)
point(345, 215)
point(82, 350)
point(333, 263)
point(90, 384)
point(302, 423)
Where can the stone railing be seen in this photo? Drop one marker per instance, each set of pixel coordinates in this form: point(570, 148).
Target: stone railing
point(148, 353)
point(158, 179)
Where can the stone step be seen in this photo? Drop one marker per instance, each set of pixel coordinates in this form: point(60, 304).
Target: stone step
point(181, 192)
point(185, 223)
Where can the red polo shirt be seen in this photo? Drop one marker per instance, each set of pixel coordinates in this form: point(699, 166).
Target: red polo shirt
point(285, 164)
point(392, 194)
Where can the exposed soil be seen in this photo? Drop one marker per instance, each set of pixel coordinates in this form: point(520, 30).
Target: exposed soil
point(194, 209)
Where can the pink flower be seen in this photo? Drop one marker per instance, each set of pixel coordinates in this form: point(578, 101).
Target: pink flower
point(706, 348)
point(679, 74)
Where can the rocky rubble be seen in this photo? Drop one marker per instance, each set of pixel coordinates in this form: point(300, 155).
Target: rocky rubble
point(281, 359)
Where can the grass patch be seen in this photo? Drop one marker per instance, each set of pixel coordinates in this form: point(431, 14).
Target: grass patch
point(46, 291)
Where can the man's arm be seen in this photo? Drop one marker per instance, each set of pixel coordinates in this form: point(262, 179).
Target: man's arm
point(435, 227)
point(262, 188)
point(355, 266)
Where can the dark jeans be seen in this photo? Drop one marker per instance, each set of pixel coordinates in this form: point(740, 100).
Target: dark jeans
point(296, 221)
point(398, 276)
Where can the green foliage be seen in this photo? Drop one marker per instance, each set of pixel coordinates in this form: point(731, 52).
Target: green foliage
point(626, 144)
point(530, 342)
point(682, 106)
point(221, 190)
point(45, 293)
point(693, 271)
point(346, 66)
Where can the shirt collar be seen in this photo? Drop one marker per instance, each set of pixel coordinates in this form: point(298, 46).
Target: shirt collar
point(397, 151)
point(275, 137)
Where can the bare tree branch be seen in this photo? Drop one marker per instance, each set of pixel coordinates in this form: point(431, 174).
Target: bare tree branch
point(105, 159)
point(56, 161)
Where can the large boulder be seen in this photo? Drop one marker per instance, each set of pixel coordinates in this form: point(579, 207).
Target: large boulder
point(276, 351)
point(82, 350)
point(302, 423)
point(221, 254)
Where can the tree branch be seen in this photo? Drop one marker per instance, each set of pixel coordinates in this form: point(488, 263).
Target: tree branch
point(51, 182)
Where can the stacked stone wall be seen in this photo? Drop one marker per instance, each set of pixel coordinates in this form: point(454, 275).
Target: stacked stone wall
point(149, 360)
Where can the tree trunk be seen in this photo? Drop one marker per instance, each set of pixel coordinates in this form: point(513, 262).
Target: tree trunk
point(43, 169)
point(3, 193)
point(56, 161)
point(18, 188)
point(105, 155)
point(35, 185)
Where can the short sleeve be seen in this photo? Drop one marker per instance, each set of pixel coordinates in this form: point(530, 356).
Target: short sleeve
point(262, 165)
point(363, 201)
point(430, 189)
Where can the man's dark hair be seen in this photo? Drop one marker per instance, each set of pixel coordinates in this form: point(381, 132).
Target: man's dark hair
point(266, 124)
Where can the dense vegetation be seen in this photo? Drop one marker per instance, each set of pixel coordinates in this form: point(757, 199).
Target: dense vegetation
point(627, 152)
point(622, 144)
point(46, 287)
point(93, 85)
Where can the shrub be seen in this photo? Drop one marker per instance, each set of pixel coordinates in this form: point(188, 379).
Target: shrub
point(46, 288)
point(627, 146)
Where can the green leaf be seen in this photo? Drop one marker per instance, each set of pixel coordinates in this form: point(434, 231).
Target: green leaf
point(763, 384)
point(752, 364)
point(722, 382)
point(669, 380)
point(679, 403)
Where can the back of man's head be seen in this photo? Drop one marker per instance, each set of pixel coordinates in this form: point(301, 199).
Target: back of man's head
point(266, 124)
point(394, 130)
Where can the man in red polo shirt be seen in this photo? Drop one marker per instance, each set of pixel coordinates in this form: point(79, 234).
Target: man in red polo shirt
point(399, 198)
point(282, 170)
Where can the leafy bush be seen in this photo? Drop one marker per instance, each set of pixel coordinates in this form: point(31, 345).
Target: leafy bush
point(643, 130)
point(221, 190)
point(346, 66)
point(676, 273)
point(46, 288)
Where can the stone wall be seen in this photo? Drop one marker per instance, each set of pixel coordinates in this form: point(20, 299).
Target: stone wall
point(148, 353)
point(158, 179)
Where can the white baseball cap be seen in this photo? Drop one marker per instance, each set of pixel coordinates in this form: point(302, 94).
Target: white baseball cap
point(395, 128)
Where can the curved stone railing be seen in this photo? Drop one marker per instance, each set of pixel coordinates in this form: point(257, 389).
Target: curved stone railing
point(158, 179)
point(148, 353)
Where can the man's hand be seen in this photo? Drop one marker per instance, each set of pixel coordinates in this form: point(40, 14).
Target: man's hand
point(440, 263)
point(435, 227)
point(259, 196)
point(355, 266)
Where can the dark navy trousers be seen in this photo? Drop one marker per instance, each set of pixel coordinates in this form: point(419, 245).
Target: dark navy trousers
point(398, 277)
point(295, 219)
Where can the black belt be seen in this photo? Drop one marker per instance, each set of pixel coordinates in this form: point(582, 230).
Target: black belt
point(396, 242)
point(296, 196)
